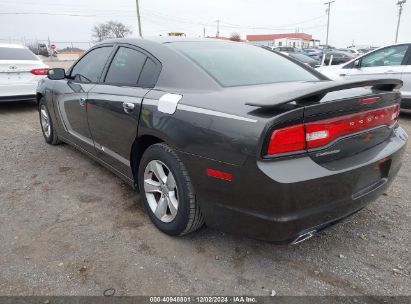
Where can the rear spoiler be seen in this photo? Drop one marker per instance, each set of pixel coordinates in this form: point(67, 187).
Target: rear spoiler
point(320, 89)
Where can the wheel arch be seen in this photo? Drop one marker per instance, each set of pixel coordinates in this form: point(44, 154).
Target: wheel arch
point(140, 145)
point(38, 97)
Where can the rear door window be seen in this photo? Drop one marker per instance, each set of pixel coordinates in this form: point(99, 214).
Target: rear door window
point(16, 54)
point(125, 67)
point(149, 75)
point(90, 67)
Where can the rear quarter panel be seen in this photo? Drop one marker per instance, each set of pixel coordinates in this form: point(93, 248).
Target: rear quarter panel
point(216, 135)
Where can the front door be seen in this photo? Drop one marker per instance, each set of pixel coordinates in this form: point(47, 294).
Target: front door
point(70, 101)
point(114, 106)
point(71, 96)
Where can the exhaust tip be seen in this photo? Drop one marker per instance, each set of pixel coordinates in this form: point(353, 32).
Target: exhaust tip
point(303, 237)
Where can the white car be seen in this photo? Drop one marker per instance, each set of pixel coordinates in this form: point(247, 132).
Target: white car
point(353, 51)
point(392, 61)
point(20, 71)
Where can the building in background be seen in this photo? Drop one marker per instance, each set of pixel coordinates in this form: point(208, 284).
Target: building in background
point(296, 40)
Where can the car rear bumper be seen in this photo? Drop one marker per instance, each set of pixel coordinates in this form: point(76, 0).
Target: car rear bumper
point(17, 98)
point(18, 91)
point(278, 203)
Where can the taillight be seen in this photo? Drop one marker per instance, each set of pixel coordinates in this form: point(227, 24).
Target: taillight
point(321, 133)
point(288, 139)
point(38, 72)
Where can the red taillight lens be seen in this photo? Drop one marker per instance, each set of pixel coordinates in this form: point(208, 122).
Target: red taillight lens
point(288, 139)
point(321, 133)
point(325, 131)
point(39, 71)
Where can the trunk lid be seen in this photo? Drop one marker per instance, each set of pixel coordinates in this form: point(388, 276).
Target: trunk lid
point(18, 71)
point(367, 118)
point(336, 120)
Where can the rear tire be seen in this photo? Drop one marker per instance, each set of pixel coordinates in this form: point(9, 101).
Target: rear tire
point(167, 192)
point(46, 123)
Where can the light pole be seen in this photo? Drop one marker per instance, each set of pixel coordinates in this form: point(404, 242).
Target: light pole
point(400, 4)
point(138, 19)
point(328, 21)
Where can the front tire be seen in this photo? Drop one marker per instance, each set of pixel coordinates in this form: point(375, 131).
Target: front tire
point(47, 127)
point(167, 192)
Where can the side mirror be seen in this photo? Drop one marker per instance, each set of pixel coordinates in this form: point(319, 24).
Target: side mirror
point(56, 74)
point(357, 64)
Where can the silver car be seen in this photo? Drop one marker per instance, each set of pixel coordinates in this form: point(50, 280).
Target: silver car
point(393, 61)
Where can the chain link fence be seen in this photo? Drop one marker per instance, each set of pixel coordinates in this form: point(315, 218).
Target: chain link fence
point(50, 49)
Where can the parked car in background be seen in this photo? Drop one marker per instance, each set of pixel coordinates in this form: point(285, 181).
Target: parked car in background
point(337, 57)
point(313, 53)
point(43, 50)
point(393, 61)
point(366, 50)
point(40, 49)
point(286, 50)
point(305, 59)
point(20, 71)
point(353, 51)
point(241, 138)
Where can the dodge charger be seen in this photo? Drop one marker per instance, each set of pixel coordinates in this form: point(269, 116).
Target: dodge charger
point(227, 134)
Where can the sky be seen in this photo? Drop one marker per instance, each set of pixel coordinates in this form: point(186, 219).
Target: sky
point(362, 22)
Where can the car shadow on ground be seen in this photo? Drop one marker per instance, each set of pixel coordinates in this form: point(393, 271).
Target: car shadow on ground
point(405, 116)
point(17, 107)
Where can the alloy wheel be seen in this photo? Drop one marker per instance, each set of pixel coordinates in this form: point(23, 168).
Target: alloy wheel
point(161, 191)
point(45, 121)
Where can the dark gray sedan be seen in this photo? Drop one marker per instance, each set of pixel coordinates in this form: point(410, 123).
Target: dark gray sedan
point(305, 59)
point(227, 134)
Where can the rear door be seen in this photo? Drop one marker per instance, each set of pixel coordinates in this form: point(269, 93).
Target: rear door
point(114, 104)
point(387, 62)
point(71, 96)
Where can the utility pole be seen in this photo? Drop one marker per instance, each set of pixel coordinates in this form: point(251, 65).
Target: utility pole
point(218, 28)
point(203, 32)
point(400, 4)
point(138, 19)
point(328, 21)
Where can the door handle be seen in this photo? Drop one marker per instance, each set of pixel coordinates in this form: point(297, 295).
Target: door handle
point(82, 101)
point(128, 107)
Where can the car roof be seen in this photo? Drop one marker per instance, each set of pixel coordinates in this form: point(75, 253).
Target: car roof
point(172, 60)
point(161, 40)
point(13, 46)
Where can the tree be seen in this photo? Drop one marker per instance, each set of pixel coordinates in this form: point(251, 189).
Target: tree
point(101, 32)
point(118, 29)
point(109, 30)
point(235, 37)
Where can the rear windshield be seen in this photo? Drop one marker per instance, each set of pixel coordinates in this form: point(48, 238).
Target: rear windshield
point(16, 54)
point(239, 64)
